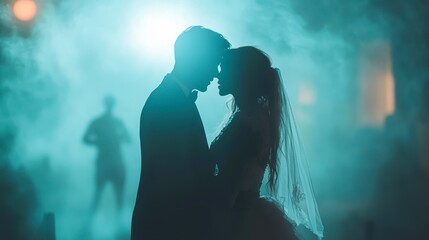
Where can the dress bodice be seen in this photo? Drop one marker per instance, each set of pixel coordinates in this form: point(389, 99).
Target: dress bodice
point(241, 153)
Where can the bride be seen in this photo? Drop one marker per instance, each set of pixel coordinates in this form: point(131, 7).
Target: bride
point(259, 137)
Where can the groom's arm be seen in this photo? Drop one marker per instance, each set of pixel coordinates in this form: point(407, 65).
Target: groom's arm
point(166, 148)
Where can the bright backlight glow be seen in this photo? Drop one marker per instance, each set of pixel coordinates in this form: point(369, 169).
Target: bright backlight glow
point(154, 32)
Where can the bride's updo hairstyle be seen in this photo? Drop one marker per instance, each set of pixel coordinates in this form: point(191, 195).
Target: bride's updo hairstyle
point(257, 85)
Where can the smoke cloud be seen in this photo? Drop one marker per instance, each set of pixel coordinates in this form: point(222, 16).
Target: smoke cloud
point(56, 70)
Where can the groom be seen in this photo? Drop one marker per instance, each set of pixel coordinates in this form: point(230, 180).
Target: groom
point(173, 194)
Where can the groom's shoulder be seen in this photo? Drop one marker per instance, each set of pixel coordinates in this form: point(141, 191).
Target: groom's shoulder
point(163, 96)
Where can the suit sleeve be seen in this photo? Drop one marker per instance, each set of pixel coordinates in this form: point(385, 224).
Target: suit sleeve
point(165, 150)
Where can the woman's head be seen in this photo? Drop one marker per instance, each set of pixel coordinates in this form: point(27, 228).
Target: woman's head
point(247, 75)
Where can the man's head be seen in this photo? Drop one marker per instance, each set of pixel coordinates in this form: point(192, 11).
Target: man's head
point(197, 53)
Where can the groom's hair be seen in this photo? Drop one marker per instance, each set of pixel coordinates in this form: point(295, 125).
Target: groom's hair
point(197, 43)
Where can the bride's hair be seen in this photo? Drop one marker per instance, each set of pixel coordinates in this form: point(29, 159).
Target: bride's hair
point(259, 85)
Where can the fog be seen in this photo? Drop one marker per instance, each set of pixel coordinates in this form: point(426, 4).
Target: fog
point(347, 66)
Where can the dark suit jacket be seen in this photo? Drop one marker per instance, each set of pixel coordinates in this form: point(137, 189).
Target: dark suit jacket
point(176, 173)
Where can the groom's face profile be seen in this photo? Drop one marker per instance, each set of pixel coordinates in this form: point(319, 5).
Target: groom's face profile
point(197, 53)
point(205, 71)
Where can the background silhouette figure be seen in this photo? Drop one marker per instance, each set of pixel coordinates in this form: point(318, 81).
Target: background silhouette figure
point(107, 133)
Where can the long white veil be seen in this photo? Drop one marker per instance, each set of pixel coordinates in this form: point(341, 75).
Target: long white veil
point(294, 190)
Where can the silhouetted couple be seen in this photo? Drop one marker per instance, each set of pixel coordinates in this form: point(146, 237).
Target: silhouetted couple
point(190, 191)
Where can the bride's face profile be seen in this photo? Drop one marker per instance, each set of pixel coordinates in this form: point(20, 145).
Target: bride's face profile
point(226, 78)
